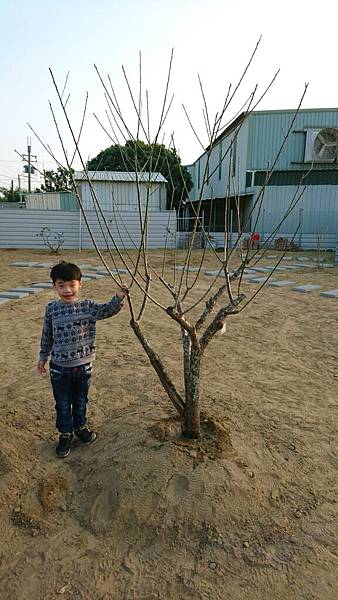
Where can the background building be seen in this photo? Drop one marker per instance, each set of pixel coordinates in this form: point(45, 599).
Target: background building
point(116, 189)
point(51, 201)
point(239, 164)
point(117, 193)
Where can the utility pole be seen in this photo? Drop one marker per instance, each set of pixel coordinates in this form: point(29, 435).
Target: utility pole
point(29, 165)
point(29, 158)
point(19, 188)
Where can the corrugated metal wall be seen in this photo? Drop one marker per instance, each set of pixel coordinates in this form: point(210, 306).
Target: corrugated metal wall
point(266, 130)
point(307, 241)
point(123, 194)
point(258, 142)
point(51, 201)
point(316, 211)
point(20, 228)
point(217, 186)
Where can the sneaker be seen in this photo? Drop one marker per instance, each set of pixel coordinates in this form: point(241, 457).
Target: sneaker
point(63, 448)
point(85, 435)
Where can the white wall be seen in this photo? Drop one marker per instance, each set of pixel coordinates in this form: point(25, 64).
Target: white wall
point(19, 228)
point(123, 194)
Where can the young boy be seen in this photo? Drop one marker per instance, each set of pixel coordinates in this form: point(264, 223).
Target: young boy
point(68, 335)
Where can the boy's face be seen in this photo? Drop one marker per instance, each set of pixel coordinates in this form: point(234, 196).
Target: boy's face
point(68, 290)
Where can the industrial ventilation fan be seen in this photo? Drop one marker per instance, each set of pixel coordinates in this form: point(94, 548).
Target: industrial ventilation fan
point(321, 145)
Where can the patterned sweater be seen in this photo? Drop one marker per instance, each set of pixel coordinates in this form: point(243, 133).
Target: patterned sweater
point(68, 333)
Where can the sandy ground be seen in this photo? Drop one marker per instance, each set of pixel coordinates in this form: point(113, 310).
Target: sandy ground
point(140, 516)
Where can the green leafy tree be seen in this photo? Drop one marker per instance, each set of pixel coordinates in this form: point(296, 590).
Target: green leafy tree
point(9, 195)
point(57, 181)
point(138, 156)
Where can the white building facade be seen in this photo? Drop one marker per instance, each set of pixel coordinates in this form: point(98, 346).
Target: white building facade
point(122, 190)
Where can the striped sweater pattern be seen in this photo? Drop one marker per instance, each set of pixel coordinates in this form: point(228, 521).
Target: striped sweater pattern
point(68, 333)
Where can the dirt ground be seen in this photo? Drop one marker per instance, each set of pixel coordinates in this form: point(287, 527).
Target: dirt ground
point(141, 516)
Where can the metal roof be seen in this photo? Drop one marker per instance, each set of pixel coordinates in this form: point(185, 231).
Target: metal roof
point(119, 176)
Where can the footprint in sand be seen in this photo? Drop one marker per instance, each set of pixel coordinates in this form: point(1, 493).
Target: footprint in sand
point(178, 487)
point(103, 510)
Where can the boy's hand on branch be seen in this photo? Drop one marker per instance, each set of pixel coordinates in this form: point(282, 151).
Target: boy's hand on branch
point(122, 291)
point(41, 367)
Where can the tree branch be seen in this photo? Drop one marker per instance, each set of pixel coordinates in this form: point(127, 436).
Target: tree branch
point(186, 325)
point(156, 362)
point(219, 320)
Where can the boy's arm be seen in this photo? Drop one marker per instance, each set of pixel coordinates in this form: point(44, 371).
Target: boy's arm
point(108, 309)
point(46, 338)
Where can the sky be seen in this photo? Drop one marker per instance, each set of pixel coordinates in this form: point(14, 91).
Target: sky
point(212, 39)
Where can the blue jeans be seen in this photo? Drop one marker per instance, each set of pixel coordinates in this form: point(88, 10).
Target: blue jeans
point(70, 388)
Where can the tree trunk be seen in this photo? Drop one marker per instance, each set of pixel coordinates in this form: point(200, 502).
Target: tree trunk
point(186, 342)
point(191, 420)
point(160, 370)
point(189, 410)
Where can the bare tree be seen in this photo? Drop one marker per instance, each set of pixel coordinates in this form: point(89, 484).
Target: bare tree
point(52, 240)
point(199, 315)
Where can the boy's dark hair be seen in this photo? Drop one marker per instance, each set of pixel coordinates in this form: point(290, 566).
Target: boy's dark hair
point(65, 271)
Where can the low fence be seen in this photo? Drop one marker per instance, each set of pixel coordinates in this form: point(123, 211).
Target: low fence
point(21, 228)
point(305, 241)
